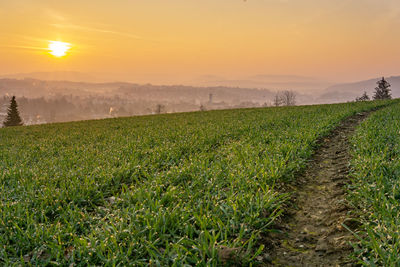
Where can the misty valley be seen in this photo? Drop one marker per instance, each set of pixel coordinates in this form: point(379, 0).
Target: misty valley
point(47, 101)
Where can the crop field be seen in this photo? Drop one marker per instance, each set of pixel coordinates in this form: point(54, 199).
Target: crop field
point(376, 187)
point(178, 189)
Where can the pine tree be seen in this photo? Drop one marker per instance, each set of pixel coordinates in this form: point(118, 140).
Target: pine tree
point(383, 90)
point(13, 118)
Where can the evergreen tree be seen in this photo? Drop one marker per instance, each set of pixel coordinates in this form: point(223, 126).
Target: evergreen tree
point(383, 90)
point(13, 118)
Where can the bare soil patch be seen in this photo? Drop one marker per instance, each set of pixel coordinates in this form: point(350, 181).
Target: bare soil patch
point(312, 233)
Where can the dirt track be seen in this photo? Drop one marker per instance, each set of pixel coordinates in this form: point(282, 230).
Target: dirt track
point(312, 233)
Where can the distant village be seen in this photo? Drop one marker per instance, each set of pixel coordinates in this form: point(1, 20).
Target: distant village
point(42, 102)
point(73, 108)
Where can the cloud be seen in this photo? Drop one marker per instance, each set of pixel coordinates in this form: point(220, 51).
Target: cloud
point(91, 29)
point(62, 23)
point(54, 14)
point(24, 47)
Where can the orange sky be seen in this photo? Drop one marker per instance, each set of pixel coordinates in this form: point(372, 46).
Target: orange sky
point(175, 40)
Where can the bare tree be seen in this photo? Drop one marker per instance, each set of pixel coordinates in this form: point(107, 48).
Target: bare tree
point(277, 100)
point(364, 97)
point(159, 109)
point(288, 98)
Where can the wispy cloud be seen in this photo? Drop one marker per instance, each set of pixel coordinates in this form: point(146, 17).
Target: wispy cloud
point(24, 47)
point(60, 21)
point(54, 14)
point(91, 29)
point(27, 38)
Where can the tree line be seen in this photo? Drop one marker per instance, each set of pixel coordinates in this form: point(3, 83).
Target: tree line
point(382, 91)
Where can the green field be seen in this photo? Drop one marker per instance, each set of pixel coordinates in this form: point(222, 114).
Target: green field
point(171, 189)
point(376, 187)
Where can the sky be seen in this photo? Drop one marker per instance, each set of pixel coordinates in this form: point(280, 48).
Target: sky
point(176, 40)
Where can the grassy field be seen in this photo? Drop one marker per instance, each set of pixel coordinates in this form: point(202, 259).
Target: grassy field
point(160, 190)
point(376, 187)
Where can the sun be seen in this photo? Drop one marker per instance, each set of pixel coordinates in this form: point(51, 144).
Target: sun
point(58, 49)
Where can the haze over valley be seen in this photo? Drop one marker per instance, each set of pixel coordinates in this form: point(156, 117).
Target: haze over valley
point(149, 57)
point(67, 96)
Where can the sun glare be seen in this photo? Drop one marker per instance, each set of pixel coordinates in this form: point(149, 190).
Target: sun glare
point(58, 49)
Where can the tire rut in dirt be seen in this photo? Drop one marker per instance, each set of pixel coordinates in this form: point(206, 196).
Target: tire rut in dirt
point(312, 233)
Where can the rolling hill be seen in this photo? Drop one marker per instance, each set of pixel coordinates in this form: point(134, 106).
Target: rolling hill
point(349, 91)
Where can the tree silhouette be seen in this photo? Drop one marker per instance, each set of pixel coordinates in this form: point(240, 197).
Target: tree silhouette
point(159, 109)
point(364, 97)
point(288, 98)
point(285, 98)
point(383, 90)
point(13, 118)
point(277, 100)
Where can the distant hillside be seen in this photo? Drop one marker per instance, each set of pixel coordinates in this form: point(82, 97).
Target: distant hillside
point(40, 88)
point(32, 88)
point(72, 76)
point(275, 82)
point(227, 96)
point(349, 91)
